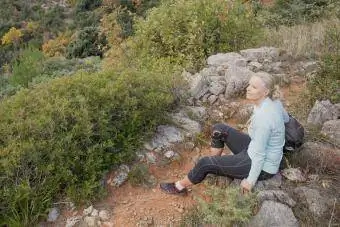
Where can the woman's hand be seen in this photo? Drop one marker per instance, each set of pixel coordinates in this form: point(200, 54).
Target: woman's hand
point(245, 186)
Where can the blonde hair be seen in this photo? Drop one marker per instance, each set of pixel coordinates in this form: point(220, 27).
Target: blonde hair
point(270, 83)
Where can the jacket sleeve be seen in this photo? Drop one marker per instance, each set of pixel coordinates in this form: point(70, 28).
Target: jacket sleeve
point(257, 148)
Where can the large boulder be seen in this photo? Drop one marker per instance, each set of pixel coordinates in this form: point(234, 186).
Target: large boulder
point(321, 112)
point(271, 54)
point(332, 130)
point(227, 59)
point(274, 214)
point(237, 79)
point(316, 204)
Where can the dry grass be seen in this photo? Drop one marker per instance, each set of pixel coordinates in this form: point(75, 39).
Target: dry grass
point(306, 40)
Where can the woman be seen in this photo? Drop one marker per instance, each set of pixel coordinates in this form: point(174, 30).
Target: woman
point(256, 156)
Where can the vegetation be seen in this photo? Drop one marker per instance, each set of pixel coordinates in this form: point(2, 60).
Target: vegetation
point(227, 207)
point(60, 104)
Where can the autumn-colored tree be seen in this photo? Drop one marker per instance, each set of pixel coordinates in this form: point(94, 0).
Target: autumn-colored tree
point(12, 36)
point(57, 46)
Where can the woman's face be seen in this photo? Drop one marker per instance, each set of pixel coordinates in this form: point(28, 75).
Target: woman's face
point(256, 90)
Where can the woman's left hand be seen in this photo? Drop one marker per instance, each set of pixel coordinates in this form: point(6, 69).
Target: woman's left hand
point(245, 186)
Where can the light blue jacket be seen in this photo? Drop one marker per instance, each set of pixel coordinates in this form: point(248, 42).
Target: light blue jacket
point(267, 133)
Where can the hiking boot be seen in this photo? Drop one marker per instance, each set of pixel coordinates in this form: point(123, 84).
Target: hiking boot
point(170, 188)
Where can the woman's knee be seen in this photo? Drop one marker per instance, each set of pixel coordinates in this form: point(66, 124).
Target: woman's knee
point(219, 135)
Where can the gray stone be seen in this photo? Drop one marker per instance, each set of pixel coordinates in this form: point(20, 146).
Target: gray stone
point(197, 82)
point(104, 215)
point(169, 154)
point(294, 174)
point(121, 176)
point(237, 79)
point(150, 158)
point(321, 112)
point(189, 125)
point(316, 203)
point(310, 66)
point(274, 214)
point(53, 214)
point(227, 59)
point(255, 66)
point(259, 54)
point(332, 130)
point(88, 210)
point(94, 213)
point(212, 99)
point(276, 195)
point(165, 136)
point(72, 221)
point(91, 221)
point(202, 92)
point(216, 88)
point(197, 112)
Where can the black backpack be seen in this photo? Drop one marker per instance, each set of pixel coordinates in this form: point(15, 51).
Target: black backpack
point(294, 133)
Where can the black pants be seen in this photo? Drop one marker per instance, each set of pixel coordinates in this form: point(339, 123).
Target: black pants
point(234, 166)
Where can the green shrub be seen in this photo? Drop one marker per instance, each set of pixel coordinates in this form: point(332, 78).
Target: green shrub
point(28, 66)
point(293, 12)
point(227, 207)
point(60, 137)
point(88, 42)
point(188, 31)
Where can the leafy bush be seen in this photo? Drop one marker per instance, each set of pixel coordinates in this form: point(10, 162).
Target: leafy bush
point(60, 137)
point(188, 31)
point(28, 66)
point(227, 207)
point(293, 12)
point(88, 42)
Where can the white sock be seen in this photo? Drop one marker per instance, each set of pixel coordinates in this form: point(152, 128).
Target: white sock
point(179, 186)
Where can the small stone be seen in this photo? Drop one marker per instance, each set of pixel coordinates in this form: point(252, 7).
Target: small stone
point(169, 154)
point(90, 221)
point(294, 174)
point(88, 210)
point(72, 221)
point(150, 158)
point(53, 214)
point(189, 146)
point(94, 213)
point(104, 215)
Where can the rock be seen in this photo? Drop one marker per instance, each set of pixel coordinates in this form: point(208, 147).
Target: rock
point(276, 195)
point(88, 210)
point(151, 158)
point(310, 66)
point(196, 112)
point(244, 112)
point(271, 183)
point(294, 174)
point(104, 215)
point(216, 88)
point(331, 129)
point(165, 136)
point(237, 79)
point(316, 203)
point(255, 66)
point(94, 213)
point(72, 221)
point(196, 82)
point(121, 176)
point(53, 214)
point(91, 221)
point(274, 214)
point(318, 156)
point(212, 99)
point(189, 125)
point(321, 112)
point(227, 59)
point(259, 54)
point(189, 146)
point(169, 154)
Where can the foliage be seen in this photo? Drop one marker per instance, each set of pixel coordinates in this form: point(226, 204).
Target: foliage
point(325, 84)
point(227, 207)
point(293, 12)
point(87, 5)
point(57, 46)
point(187, 32)
point(87, 42)
point(28, 66)
point(58, 138)
point(139, 175)
point(12, 36)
